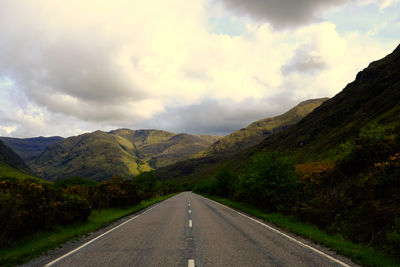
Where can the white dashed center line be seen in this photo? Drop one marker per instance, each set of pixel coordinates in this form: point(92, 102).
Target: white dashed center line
point(190, 223)
point(191, 263)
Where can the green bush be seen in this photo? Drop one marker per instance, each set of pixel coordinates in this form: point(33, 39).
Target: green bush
point(146, 183)
point(206, 186)
point(116, 192)
point(269, 181)
point(72, 209)
point(224, 183)
point(27, 206)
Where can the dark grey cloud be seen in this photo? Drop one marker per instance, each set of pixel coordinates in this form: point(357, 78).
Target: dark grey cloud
point(219, 118)
point(304, 61)
point(282, 13)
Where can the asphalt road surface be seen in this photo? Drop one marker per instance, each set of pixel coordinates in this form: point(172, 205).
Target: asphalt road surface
point(189, 230)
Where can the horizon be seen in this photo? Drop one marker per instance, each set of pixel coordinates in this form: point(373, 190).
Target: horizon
point(204, 67)
point(154, 129)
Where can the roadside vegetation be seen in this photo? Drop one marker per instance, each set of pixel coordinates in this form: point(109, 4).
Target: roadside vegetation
point(360, 253)
point(34, 245)
point(356, 197)
point(36, 215)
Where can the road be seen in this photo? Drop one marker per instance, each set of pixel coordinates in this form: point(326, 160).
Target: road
point(189, 230)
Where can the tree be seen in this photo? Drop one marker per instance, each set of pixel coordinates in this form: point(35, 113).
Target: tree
point(224, 182)
point(269, 181)
point(146, 182)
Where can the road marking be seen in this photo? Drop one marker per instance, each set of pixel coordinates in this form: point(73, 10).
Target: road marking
point(94, 239)
point(190, 211)
point(189, 203)
point(283, 234)
point(190, 263)
point(190, 223)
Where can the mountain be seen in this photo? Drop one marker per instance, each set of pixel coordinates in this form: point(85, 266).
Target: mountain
point(372, 98)
point(11, 165)
point(9, 157)
point(236, 143)
point(100, 155)
point(256, 132)
point(161, 148)
point(29, 148)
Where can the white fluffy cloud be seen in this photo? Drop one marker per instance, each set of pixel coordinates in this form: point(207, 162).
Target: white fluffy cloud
point(86, 65)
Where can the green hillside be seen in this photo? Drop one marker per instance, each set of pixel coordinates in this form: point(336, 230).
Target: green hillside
point(29, 148)
point(100, 155)
point(8, 171)
point(11, 165)
point(9, 157)
point(338, 168)
point(235, 148)
point(256, 132)
point(373, 98)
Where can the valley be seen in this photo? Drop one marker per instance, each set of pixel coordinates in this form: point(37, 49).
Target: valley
point(332, 163)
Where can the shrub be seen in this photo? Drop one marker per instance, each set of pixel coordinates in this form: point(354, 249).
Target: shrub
point(269, 181)
point(71, 209)
point(146, 183)
point(115, 193)
point(224, 182)
point(206, 186)
point(26, 207)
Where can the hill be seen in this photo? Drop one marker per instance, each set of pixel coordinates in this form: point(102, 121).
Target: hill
point(257, 131)
point(347, 175)
point(9, 157)
point(29, 148)
point(11, 165)
point(372, 98)
point(100, 155)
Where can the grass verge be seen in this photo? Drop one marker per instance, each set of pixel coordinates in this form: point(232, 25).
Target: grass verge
point(41, 242)
point(363, 255)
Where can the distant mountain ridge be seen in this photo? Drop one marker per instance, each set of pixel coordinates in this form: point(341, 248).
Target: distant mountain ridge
point(9, 157)
point(11, 165)
point(100, 155)
point(29, 148)
point(257, 131)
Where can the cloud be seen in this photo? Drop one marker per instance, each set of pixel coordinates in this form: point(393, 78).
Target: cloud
point(219, 118)
point(305, 60)
point(78, 66)
point(283, 13)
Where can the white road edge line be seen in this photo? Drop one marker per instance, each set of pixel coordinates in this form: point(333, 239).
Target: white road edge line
point(285, 235)
point(103, 234)
point(190, 263)
point(190, 223)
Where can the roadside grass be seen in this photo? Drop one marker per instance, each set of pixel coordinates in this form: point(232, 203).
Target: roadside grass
point(41, 242)
point(358, 253)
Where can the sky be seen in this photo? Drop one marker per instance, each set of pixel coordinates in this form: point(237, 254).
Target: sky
point(194, 66)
